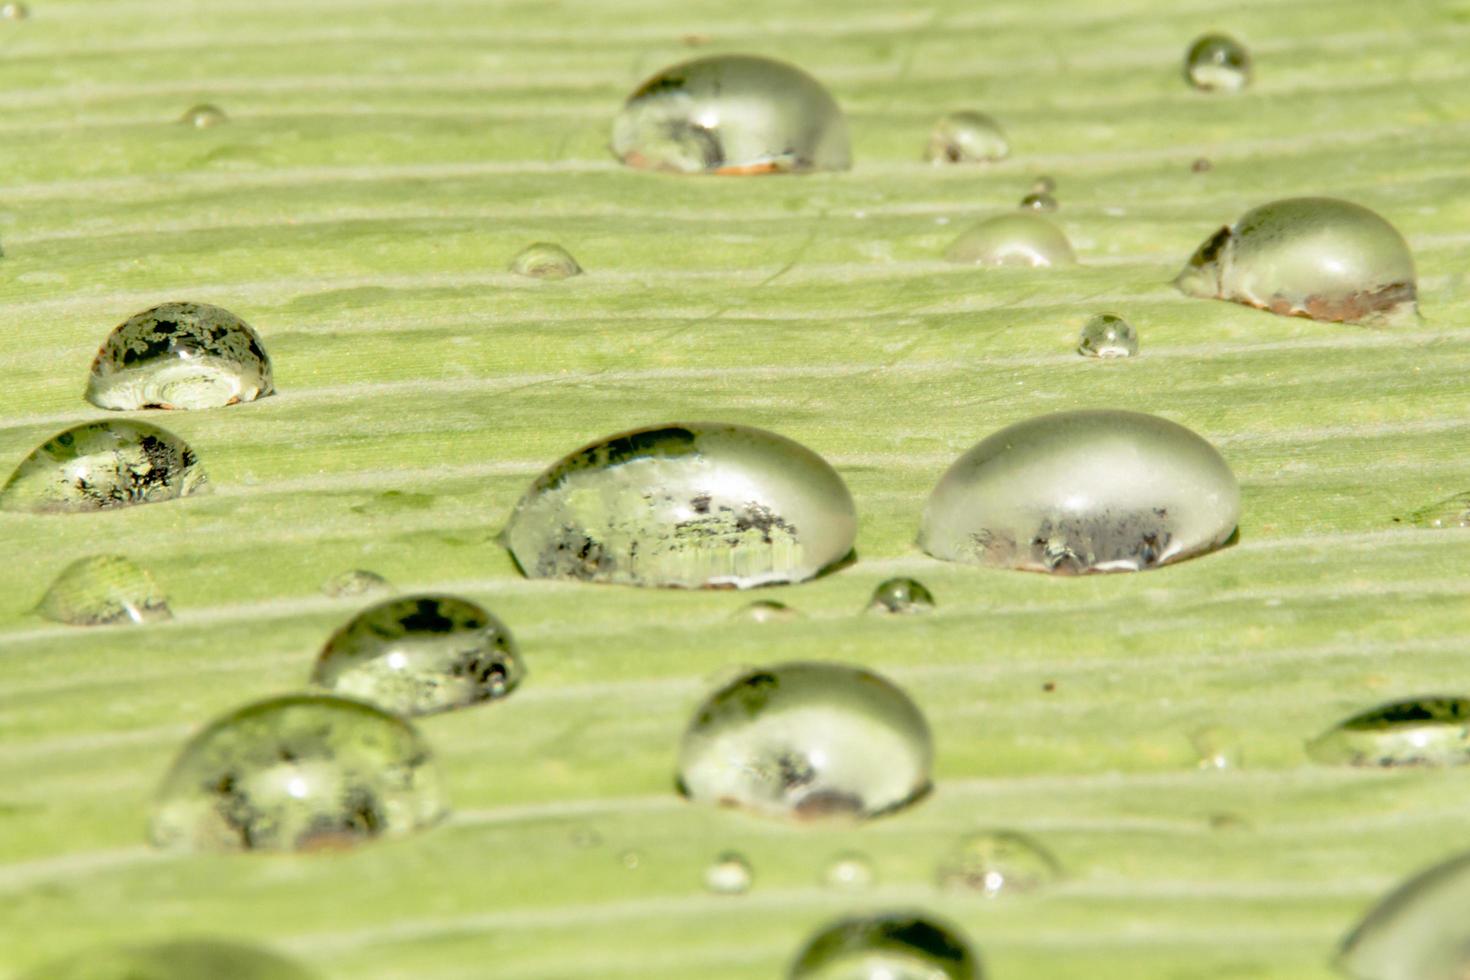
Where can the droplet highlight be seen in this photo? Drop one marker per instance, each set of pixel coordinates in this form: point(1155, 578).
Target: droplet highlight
point(967, 137)
point(102, 465)
point(729, 874)
point(354, 583)
point(887, 946)
point(996, 863)
point(1217, 63)
point(1107, 335)
point(1431, 731)
point(204, 116)
point(103, 590)
point(1024, 239)
point(901, 597)
point(187, 959)
point(849, 870)
point(545, 260)
point(766, 611)
point(1417, 932)
point(1217, 747)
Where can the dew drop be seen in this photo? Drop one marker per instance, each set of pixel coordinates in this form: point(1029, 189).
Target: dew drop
point(545, 260)
point(1217, 748)
point(632, 860)
point(421, 654)
point(1217, 63)
point(14, 11)
point(766, 611)
point(849, 870)
point(1432, 731)
point(204, 116)
point(809, 741)
point(102, 590)
point(731, 114)
point(1043, 203)
point(1044, 185)
point(887, 946)
point(997, 863)
point(1085, 491)
point(901, 596)
point(1024, 239)
point(967, 137)
point(180, 355)
point(1107, 335)
point(354, 583)
point(692, 506)
point(728, 874)
point(1315, 257)
point(188, 959)
point(1417, 932)
point(298, 773)
point(1450, 512)
point(101, 465)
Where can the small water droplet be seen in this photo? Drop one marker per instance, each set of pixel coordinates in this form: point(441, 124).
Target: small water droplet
point(102, 590)
point(887, 946)
point(1431, 731)
point(766, 611)
point(996, 863)
point(354, 583)
point(1039, 202)
point(807, 740)
point(731, 114)
point(901, 596)
point(1086, 491)
point(1417, 932)
point(14, 11)
point(1108, 335)
point(1201, 165)
point(849, 870)
point(1024, 239)
point(298, 773)
point(1314, 257)
point(1217, 747)
point(1217, 63)
point(421, 654)
point(545, 260)
point(101, 465)
point(1044, 185)
point(187, 959)
point(692, 506)
point(967, 137)
point(204, 116)
point(729, 874)
point(1450, 512)
point(180, 355)
point(632, 860)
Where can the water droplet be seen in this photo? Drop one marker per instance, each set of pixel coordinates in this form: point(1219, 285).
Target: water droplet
point(902, 596)
point(1418, 932)
point(849, 870)
point(1039, 202)
point(1108, 335)
point(204, 116)
point(731, 114)
point(887, 946)
point(1023, 239)
point(545, 260)
point(1087, 491)
point(998, 863)
point(1315, 257)
point(807, 740)
point(180, 355)
point(766, 611)
point(1217, 747)
point(729, 874)
point(1043, 185)
point(102, 590)
point(1201, 165)
point(14, 11)
point(696, 506)
point(298, 773)
point(354, 583)
point(1431, 731)
point(188, 959)
point(1217, 63)
point(416, 655)
point(632, 860)
point(1450, 512)
point(967, 137)
point(100, 465)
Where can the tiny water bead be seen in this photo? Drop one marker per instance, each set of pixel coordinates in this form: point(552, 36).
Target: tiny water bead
point(729, 874)
point(849, 870)
point(298, 773)
point(421, 654)
point(887, 946)
point(1107, 335)
point(808, 741)
point(545, 260)
point(766, 611)
point(996, 863)
point(187, 959)
point(102, 590)
point(101, 465)
point(1433, 731)
point(703, 505)
point(355, 582)
point(203, 116)
point(1039, 202)
point(14, 11)
point(1084, 491)
point(180, 355)
point(1044, 185)
point(1023, 239)
point(1217, 63)
point(732, 114)
point(1216, 747)
point(967, 137)
point(1315, 257)
point(901, 596)
point(1417, 932)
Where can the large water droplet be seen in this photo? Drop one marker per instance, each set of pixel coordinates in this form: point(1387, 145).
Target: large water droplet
point(1023, 239)
point(188, 959)
point(849, 870)
point(1418, 932)
point(693, 506)
point(1315, 257)
point(1431, 731)
point(1217, 63)
point(967, 137)
point(99, 465)
point(204, 116)
point(180, 355)
point(1087, 491)
point(729, 874)
point(807, 740)
point(102, 590)
point(731, 114)
point(355, 582)
point(901, 596)
point(997, 863)
point(297, 773)
point(545, 260)
point(887, 946)
point(766, 611)
point(416, 655)
point(1108, 335)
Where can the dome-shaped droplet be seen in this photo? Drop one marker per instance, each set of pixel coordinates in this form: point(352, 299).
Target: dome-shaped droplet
point(1043, 203)
point(204, 116)
point(729, 874)
point(731, 114)
point(849, 870)
point(1023, 239)
point(14, 11)
point(355, 582)
point(180, 355)
point(1088, 491)
point(1108, 335)
point(1217, 63)
point(1418, 932)
point(188, 959)
point(967, 137)
point(766, 611)
point(887, 946)
point(997, 863)
point(99, 465)
point(1433, 731)
point(901, 596)
point(545, 260)
point(298, 773)
point(419, 654)
point(1315, 257)
point(1217, 747)
point(807, 740)
point(102, 590)
point(692, 506)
